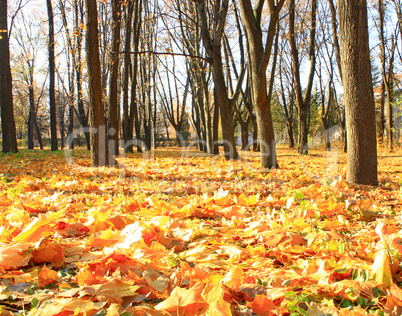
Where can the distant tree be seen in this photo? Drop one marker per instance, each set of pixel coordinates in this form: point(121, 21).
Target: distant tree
point(6, 89)
point(387, 56)
point(78, 65)
point(199, 73)
point(358, 93)
point(212, 34)
point(29, 38)
point(286, 92)
point(303, 101)
point(174, 108)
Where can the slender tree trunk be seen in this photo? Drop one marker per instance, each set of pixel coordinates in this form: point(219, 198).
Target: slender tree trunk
point(215, 130)
point(134, 123)
point(99, 149)
point(31, 117)
point(114, 129)
point(38, 133)
point(382, 115)
point(126, 74)
point(70, 106)
point(358, 93)
point(70, 72)
point(71, 124)
point(52, 99)
point(6, 89)
point(244, 134)
point(289, 126)
point(208, 124)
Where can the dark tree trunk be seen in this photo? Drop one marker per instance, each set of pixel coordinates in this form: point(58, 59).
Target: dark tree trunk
point(244, 135)
point(38, 133)
point(358, 93)
point(215, 130)
point(327, 140)
point(209, 126)
point(6, 89)
point(126, 74)
point(31, 117)
point(52, 99)
point(289, 127)
point(381, 122)
point(71, 124)
point(99, 149)
point(134, 123)
point(225, 107)
point(114, 129)
point(256, 144)
point(195, 115)
point(179, 138)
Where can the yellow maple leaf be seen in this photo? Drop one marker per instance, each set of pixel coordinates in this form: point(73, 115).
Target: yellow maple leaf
point(382, 268)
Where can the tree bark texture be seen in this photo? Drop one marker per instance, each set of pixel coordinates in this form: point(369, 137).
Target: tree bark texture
point(358, 93)
point(99, 150)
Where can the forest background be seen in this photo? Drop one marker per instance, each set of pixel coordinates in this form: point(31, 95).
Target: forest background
point(160, 92)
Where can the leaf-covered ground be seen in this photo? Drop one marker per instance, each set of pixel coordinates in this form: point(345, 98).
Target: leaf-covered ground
point(178, 233)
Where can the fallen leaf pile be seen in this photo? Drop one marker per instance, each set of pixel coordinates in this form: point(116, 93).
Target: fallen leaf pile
point(180, 233)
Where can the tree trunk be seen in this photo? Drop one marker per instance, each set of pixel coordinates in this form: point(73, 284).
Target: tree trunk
point(215, 130)
point(114, 129)
point(209, 139)
point(381, 122)
point(358, 93)
point(52, 99)
point(303, 103)
point(6, 89)
point(258, 58)
point(134, 123)
point(126, 75)
point(213, 47)
point(226, 110)
point(289, 126)
point(38, 134)
point(99, 150)
point(244, 135)
point(31, 117)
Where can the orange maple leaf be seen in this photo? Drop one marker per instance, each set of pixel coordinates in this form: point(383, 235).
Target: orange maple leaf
point(47, 276)
point(184, 302)
point(48, 252)
point(261, 305)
